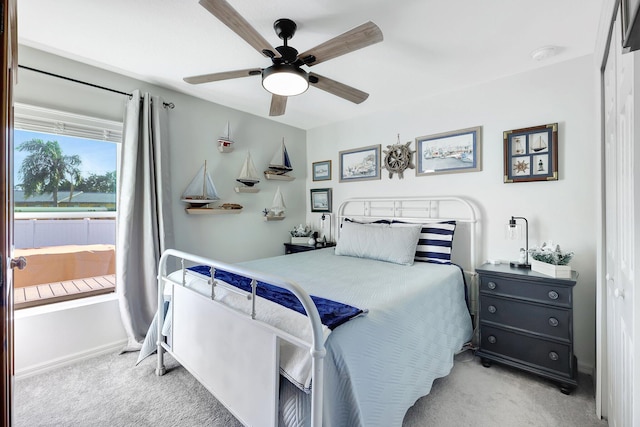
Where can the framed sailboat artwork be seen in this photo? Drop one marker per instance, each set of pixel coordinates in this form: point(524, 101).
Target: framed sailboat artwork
point(531, 154)
point(449, 152)
point(248, 177)
point(280, 165)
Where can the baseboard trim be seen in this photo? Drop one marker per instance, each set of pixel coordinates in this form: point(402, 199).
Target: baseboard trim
point(69, 359)
point(585, 368)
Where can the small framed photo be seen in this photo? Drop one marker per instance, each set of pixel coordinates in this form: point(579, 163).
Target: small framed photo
point(322, 170)
point(360, 164)
point(320, 199)
point(449, 152)
point(531, 154)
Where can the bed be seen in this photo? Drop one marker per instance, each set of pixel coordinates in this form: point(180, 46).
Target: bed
point(270, 365)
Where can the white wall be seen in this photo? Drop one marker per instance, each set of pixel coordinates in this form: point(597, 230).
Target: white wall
point(60, 334)
point(194, 126)
point(562, 210)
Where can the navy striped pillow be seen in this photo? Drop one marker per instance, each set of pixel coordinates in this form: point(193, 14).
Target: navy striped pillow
point(435, 243)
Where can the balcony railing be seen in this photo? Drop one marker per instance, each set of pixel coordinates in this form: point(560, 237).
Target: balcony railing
point(41, 229)
point(69, 255)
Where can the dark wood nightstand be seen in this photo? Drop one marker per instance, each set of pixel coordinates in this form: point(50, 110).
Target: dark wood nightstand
point(526, 321)
point(293, 248)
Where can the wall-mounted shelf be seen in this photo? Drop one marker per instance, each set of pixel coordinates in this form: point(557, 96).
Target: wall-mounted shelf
point(212, 211)
point(246, 189)
point(274, 218)
point(277, 177)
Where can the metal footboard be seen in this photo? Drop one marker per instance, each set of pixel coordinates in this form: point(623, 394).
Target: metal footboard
point(207, 333)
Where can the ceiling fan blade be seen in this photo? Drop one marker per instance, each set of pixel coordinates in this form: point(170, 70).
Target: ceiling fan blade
point(232, 19)
point(339, 89)
point(357, 38)
point(225, 75)
point(278, 105)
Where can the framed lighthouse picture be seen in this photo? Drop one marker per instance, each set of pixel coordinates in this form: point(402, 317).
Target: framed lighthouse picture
point(531, 154)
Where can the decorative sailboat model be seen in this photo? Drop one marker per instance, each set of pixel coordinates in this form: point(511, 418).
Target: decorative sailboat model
point(248, 177)
point(201, 190)
point(225, 144)
point(277, 210)
point(280, 165)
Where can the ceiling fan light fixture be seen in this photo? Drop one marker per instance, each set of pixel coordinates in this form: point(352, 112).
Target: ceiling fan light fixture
point(285, 80)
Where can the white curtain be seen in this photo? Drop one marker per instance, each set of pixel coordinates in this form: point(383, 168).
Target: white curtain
point(145, 226)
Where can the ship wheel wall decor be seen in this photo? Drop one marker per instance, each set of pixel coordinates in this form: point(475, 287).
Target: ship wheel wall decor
point(398, 158)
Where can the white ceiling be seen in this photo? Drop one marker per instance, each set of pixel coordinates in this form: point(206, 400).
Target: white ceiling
point(430, 46)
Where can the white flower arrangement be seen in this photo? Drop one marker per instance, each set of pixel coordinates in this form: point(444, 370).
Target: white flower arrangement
point(551, 254)
point(301, 231)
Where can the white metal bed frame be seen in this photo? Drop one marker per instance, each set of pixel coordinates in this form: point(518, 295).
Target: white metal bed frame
point(422, 210)
point(412, 209)
point(251, 393)
point(247, 385)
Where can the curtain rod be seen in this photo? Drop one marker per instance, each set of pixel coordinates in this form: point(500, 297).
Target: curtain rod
point(166, 104)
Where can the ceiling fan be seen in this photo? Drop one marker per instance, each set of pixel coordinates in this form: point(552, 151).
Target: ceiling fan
point(286, 77)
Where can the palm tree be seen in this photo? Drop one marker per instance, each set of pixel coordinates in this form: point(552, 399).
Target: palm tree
point(46, 167)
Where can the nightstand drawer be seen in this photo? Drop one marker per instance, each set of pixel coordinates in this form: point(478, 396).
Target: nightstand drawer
point(547, 294)
point(541, 319)
point(539, 353)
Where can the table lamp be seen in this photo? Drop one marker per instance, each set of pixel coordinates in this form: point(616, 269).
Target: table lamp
point(514, 231)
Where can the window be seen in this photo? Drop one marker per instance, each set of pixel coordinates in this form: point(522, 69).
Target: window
point(65, 181)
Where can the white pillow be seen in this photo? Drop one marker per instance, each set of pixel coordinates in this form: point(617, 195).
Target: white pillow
point(383, 243)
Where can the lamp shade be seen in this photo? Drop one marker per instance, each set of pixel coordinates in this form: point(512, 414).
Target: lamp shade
point(514, 231)
point(285, 80)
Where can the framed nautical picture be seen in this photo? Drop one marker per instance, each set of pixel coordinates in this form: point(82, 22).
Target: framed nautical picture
point(449, 152)
point(321, 170)
point(320, 199)
point(531, 154)
point(360, 164)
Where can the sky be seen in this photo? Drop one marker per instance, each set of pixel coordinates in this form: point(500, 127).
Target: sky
point(98, 157)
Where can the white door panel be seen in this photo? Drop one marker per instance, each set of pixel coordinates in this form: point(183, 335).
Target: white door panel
point(620, 232)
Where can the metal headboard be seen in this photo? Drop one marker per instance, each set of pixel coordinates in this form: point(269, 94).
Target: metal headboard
point(422, 210)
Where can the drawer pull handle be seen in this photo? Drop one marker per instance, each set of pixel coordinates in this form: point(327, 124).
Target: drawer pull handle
point(553, 295)
point(492, 309)
point(491, 285)
point(492, 339)
point(553, 356)
point(553, 321)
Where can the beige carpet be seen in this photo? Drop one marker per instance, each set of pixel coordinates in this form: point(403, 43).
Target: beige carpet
point(110, 391)
point(473, 395)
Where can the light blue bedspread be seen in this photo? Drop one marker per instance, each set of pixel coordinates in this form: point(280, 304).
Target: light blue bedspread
point(378, 365)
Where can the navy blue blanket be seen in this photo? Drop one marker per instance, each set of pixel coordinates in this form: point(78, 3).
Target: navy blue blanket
point(332, 313)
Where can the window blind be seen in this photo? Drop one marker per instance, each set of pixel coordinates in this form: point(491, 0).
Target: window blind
point(40, 119)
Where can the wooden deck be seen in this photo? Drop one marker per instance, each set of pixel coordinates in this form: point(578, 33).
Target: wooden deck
point(31, 296)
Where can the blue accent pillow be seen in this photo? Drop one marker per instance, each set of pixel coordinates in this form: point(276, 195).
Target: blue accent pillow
point(435, 242)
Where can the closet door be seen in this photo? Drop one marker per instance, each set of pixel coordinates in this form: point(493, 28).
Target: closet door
point(610, 132)
point(620, 232)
